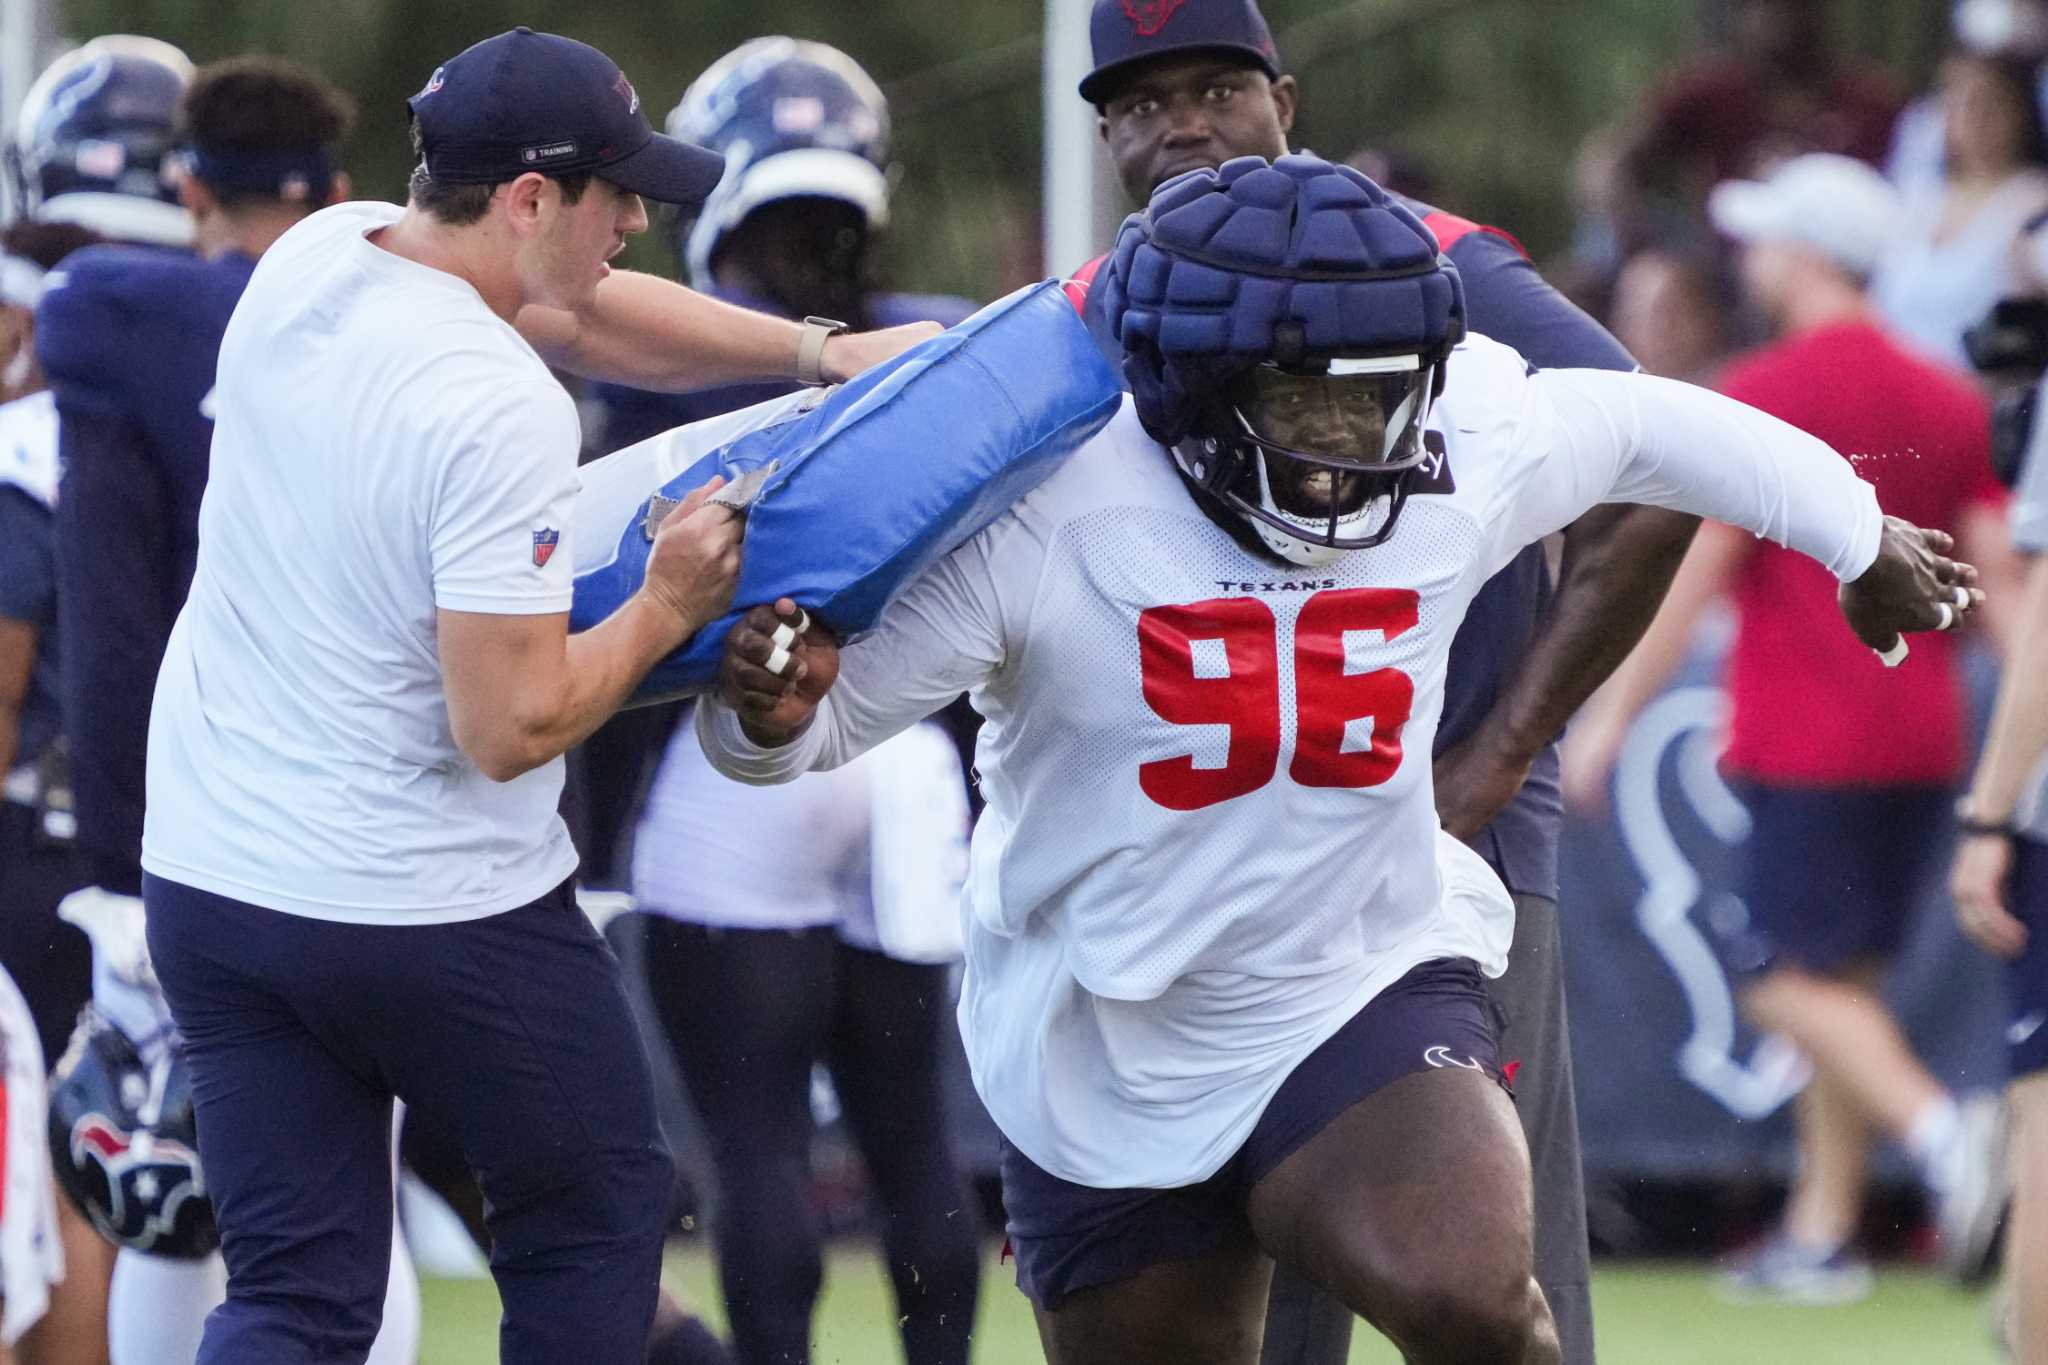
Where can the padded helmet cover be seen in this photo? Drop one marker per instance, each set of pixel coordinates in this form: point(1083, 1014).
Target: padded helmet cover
point(1255, 262)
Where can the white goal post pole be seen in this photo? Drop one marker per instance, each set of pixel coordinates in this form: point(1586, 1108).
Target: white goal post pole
point(1081, 198)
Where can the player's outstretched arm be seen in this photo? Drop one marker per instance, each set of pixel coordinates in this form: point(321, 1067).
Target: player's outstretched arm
point(2013, 750)
point(1606, 438)
point(652, 333)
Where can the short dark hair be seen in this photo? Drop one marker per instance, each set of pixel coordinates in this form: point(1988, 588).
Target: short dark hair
point(46, 244)
point(264, 104)
point(461, 205)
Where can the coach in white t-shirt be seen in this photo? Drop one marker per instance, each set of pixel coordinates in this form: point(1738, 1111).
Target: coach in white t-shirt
point(358, 887)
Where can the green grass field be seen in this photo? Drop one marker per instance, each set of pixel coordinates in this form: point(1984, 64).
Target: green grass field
point(1649, 1315)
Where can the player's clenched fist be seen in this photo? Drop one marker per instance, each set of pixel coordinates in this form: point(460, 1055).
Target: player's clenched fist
point(1912, 585)
point(779, 664)
point(695, 562)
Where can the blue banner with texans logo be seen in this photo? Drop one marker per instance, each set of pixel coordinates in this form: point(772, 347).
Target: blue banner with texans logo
point(1672, 1084)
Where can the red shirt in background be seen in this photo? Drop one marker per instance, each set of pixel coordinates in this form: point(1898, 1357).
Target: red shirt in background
point(1812, 706)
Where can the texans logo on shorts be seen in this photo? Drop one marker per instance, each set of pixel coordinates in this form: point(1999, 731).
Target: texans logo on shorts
point(1149, 16)
point(544, 542)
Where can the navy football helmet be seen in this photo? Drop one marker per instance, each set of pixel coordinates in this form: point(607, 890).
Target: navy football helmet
point(1285, 329)
point(793, 119)
point(93, 141)
point(124, 1145)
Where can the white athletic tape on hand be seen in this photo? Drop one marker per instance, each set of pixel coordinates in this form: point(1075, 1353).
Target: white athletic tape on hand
point(1894, 656)
point(785, 635)
point(1962, 598)
point(1948, 616)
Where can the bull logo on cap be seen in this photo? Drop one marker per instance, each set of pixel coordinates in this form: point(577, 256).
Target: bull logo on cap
point(1149, 16)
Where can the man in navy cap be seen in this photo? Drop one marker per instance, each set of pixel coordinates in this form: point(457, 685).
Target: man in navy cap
point(1187, 84)
point(357, 884)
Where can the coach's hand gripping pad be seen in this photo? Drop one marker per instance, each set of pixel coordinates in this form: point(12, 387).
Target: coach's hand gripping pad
point(873, 481)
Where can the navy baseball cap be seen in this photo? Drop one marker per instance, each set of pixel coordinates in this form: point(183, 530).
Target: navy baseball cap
point(526, 101)
point(1126, 32)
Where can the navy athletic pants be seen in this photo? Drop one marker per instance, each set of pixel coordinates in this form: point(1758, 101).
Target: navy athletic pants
point(510, 1034)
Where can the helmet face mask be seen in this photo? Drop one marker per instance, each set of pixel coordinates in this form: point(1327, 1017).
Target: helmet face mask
point(1317, 460)
point(1285, 328)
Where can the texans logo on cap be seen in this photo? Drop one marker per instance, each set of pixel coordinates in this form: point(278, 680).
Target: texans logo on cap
point(434, 81)
point(544, 542)
point(1149, 16)
point(625, 91)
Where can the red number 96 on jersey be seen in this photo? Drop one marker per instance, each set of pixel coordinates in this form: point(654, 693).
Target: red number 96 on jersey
point(1247, 697)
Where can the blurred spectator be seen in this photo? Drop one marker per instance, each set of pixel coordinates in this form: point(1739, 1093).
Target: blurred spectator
point(1669, 312)
point(813, 922)
point(1989, 28)
point(804, 924)
point(1956, 251)
point(2000, 883)
point(1781, 87)
point(1848, 800)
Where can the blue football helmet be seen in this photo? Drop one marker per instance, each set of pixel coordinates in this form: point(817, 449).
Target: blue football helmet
point(1285, 329)
point(793, 119)
point(93, 141)
point(123, 1141)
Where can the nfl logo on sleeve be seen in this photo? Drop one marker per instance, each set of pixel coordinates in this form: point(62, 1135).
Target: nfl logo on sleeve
point(544, 542)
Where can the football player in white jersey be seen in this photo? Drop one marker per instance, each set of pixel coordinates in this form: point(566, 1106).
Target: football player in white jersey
point(1223, 987)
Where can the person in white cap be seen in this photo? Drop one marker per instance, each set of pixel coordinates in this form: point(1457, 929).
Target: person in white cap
point(1846, 769)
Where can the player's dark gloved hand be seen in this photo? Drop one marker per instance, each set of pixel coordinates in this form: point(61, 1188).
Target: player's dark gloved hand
point(1912, 585)
point(779, 664)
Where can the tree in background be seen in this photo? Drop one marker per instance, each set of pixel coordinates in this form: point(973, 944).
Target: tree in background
point(1492, 97)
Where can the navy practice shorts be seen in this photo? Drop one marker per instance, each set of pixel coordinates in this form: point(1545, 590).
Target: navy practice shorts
point(2026, 1037)
point(1834, 874)
point(1069, 1237)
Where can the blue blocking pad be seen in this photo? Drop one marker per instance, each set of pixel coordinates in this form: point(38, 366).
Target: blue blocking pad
point(872, 481)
